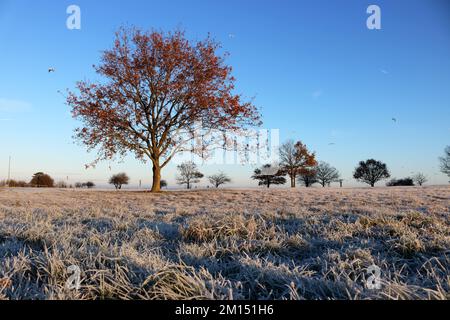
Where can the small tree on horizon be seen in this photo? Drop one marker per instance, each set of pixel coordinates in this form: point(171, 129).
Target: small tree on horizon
point(219, 179)
point(42, 180)
point(445, 161)
point(326, 174)
point(90, 185)
point(268, 175)
point(371, 171)
point(295, 158)
point(164, 184)
point(420, 179)
point(405, 182)
point(188, 174)
point(118, 180)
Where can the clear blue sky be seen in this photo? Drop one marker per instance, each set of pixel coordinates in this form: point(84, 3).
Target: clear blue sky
point(317, 72)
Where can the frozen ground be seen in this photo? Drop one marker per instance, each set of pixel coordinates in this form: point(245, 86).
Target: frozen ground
point(226, 244)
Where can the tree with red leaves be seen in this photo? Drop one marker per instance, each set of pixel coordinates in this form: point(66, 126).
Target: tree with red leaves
point(160, 89)
point(295, 158)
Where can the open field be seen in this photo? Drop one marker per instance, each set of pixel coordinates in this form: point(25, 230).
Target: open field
point(227, 244)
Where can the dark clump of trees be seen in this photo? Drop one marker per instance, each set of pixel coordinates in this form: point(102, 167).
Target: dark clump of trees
point(188, 174)
point(118, 180)
point(13, 184)
point(163, 184)
point(269, 175)
point(307, 177)
point(42, 180)
point(371, 171)
point(405, 182)
point(88, 185)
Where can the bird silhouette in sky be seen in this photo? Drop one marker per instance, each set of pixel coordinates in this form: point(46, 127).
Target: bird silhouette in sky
point(394, 119)
point(50, 70)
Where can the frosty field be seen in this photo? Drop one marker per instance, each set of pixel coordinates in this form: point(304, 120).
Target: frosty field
point(227, 244)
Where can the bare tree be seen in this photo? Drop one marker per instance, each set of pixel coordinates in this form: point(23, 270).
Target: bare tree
point(326, 174)
point(445, 162)
point(268, 175)
point(119, 179)
point(295, 157)
point(219, 179)
point(188, 174)
point(371, 171)
point(420, 179)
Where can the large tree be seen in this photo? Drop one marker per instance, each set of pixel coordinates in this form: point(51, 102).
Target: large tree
point(268, 175)
point(371, 171)
point(160, 90)
point(188, 174)
point(445, 162)
point(326, 174)
point(295, 158)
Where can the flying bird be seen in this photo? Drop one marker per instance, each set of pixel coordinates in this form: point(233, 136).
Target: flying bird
point(394, 119)
point(50, 70)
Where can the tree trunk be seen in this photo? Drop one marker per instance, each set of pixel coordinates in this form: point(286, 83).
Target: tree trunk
point(156, 186)
point(292, 182)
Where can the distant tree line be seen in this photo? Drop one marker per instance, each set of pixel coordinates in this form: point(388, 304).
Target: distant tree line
point(296, 162)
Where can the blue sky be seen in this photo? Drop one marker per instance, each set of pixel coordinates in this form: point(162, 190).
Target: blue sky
point(316, 72)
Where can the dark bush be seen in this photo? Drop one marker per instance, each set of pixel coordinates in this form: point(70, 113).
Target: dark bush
point(406, 182)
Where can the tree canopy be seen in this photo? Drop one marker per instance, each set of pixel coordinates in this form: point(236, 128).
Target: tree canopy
point(269, 175)
point(42, 180)
point(159, 89)
point(445, 162)
point(188, 174)
point(326, 174)
point(295, 158)
point(219, 179)
point(371, 171)
point(118, 180)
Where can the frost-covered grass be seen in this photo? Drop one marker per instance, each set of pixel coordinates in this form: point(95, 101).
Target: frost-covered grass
point(226, 244)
